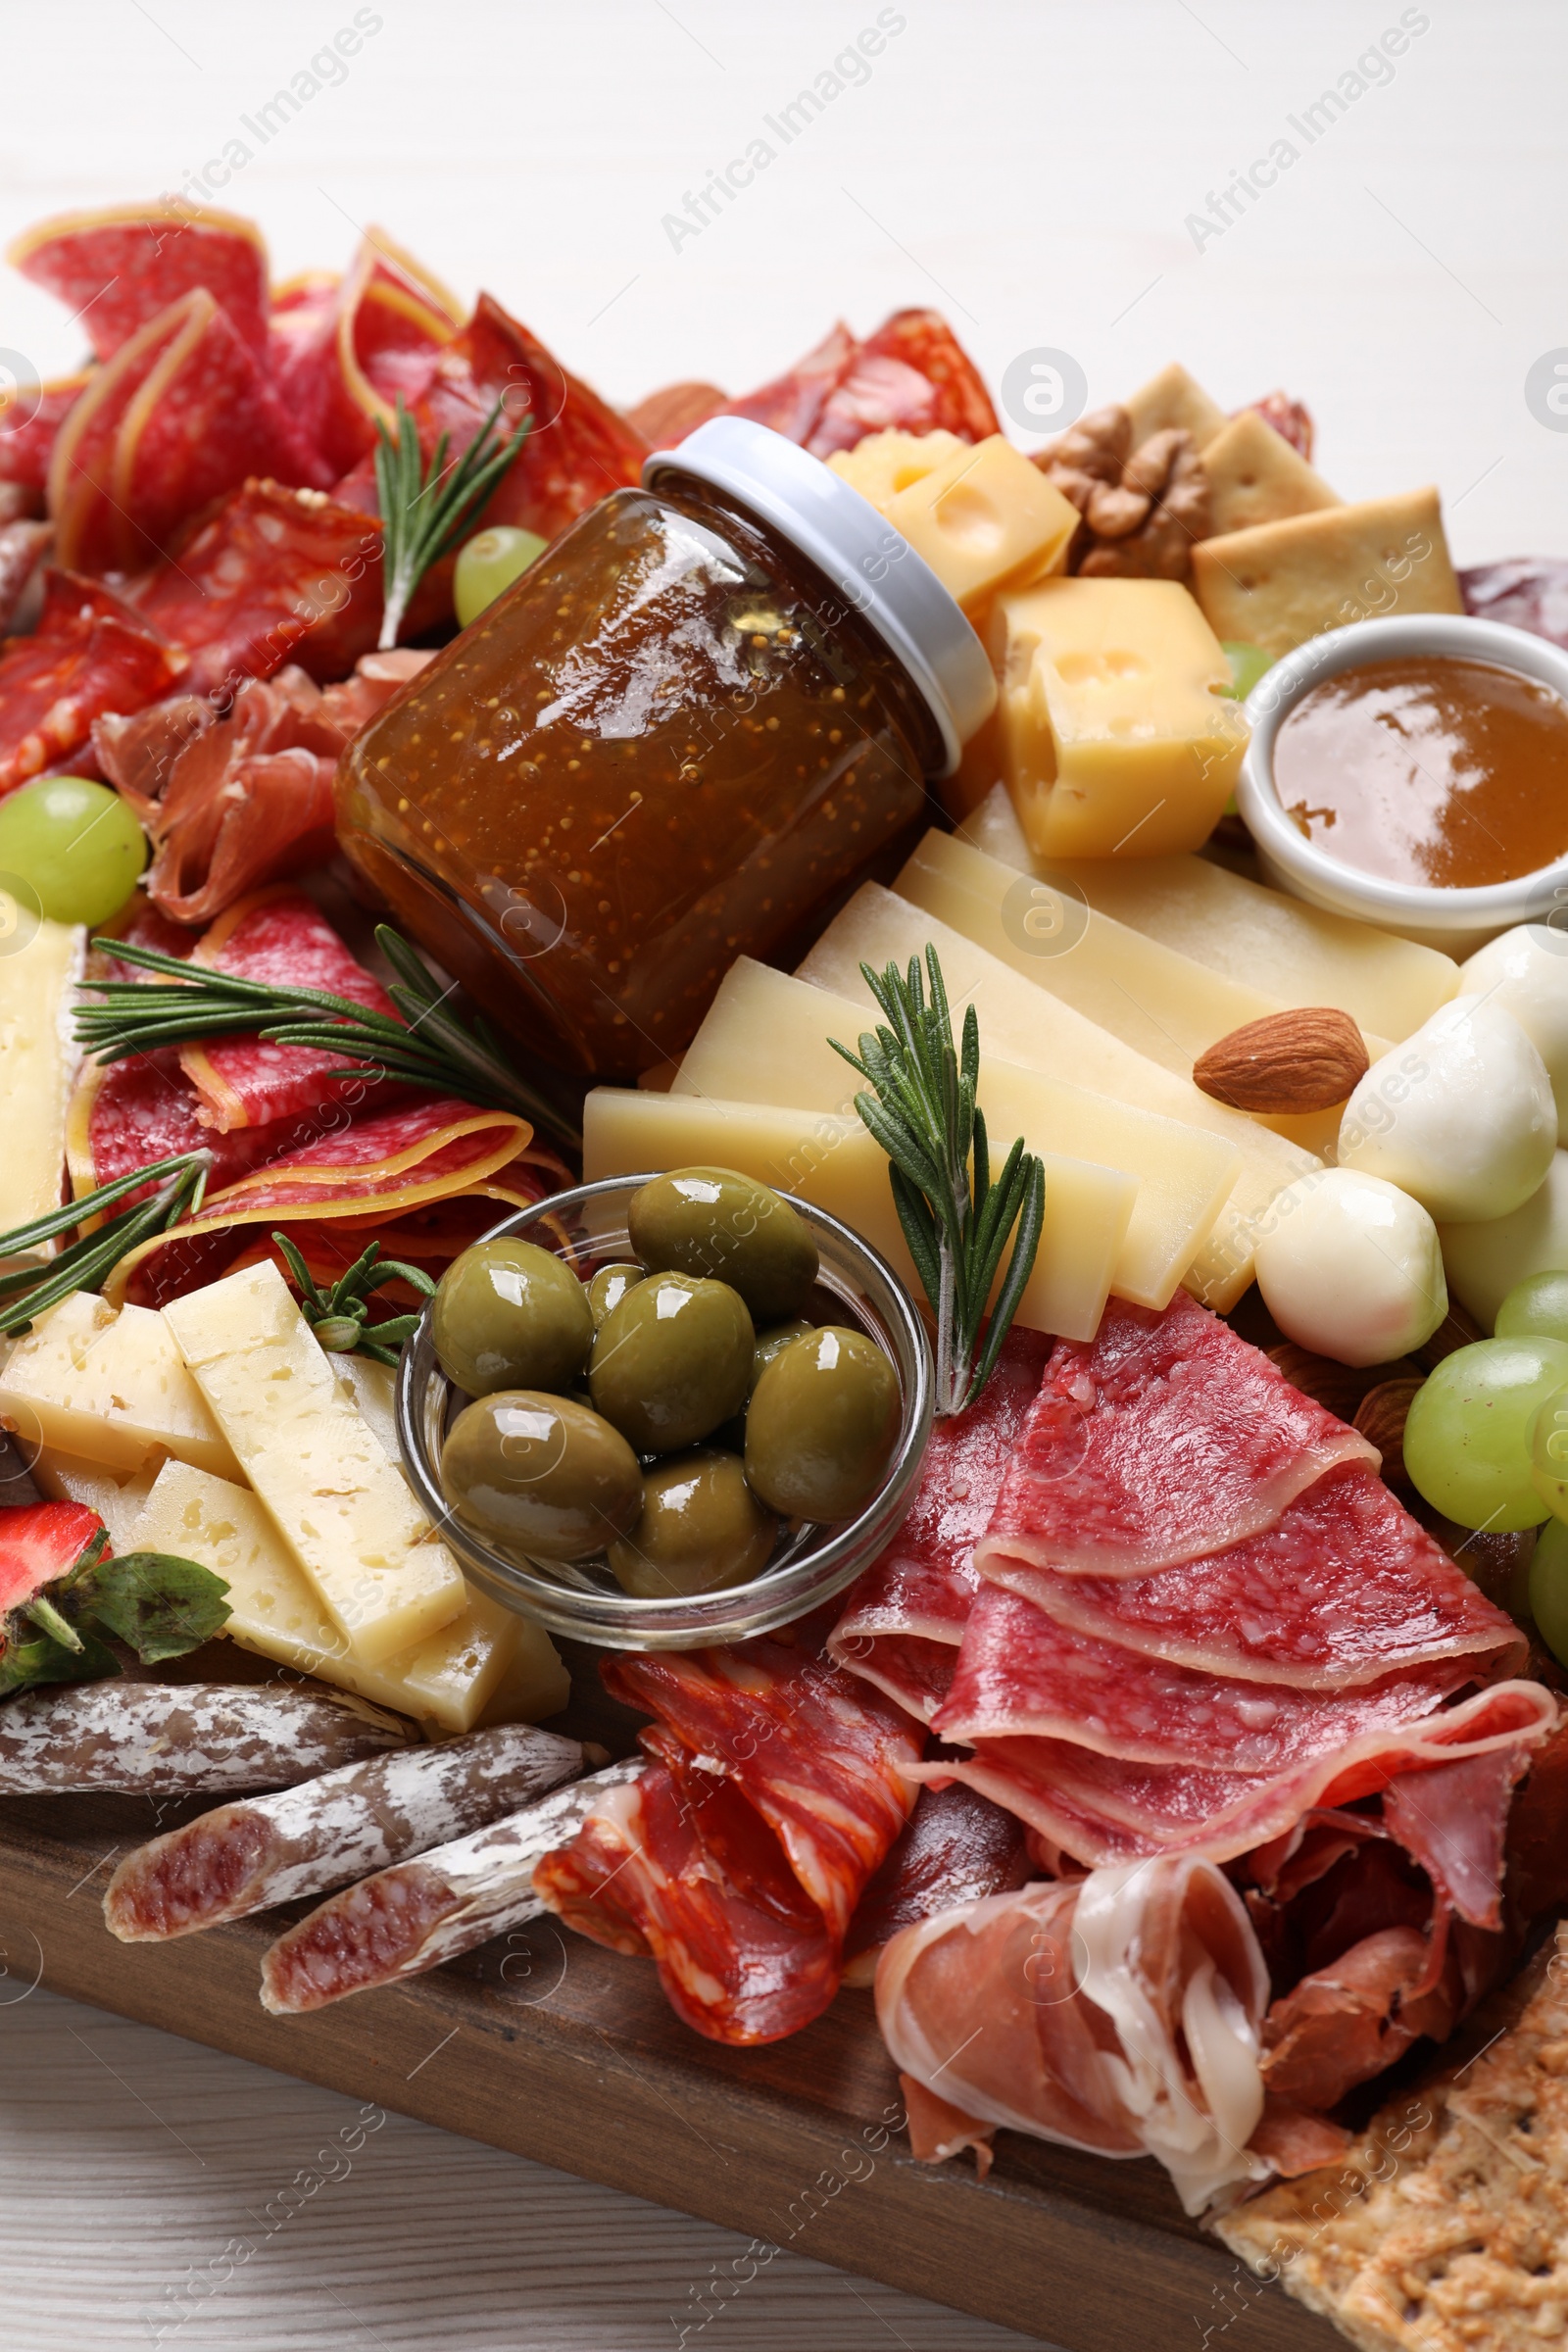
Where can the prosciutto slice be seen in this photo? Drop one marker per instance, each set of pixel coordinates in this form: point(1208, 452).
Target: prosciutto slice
point(1120, 2013)
point(1164, 1438)
point(906, 1617)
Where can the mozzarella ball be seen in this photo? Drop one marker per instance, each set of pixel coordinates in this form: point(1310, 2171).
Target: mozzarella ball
point(1461, 1116)
point(1526, 972)
point(1351, 1267)
point(1485, 1262)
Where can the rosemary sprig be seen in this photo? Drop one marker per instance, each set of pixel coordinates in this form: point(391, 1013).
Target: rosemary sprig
point(27, 1292)
point(955, 1220)
point(429, 1047)
point(424, 508)
point(340, 1315)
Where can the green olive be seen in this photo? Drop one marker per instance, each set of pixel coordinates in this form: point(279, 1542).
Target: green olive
point(671, 1361)
point(510, 1315)
point(822, 1425)
point(770, 1341)
point(609, 1288)
point(701, 1528)
point(712, 1221)
point(540, 1474)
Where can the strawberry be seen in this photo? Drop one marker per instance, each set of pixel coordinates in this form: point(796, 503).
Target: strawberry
point(59, 1595)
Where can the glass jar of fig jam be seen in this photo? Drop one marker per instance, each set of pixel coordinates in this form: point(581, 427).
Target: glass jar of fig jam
point(698, 713)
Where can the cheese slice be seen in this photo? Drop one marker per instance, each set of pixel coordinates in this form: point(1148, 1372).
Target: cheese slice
point(449, 1681)
point(1027, 1024)
point(117, 1496)
point(1116, 731)
point(764, 1040)
point(346, 1513)
point(985, 516)
point(39, 968)
point(824, 1157)
point(109, 1389)
point(1252, 935)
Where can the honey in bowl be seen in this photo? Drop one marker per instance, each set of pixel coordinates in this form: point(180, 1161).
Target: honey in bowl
point(1429, 769)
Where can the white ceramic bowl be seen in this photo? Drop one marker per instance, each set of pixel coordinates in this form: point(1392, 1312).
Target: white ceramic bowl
point(1456, 920)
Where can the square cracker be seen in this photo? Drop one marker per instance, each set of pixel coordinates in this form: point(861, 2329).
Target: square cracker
point(1173, 398)
point(1446, 2226)
point(1255, 476)
point(1281, 582)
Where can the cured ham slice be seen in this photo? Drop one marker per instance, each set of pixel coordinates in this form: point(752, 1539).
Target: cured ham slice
point(1165, 1438)
point(1121, 2014)
point(904, 1618)
point(1104, 1810)
point(1454, 1822)
point(1344, 1588)
point(1019, 1672)
point(737, 1860)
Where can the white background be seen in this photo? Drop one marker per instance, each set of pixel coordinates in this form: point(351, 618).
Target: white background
point(1030, 170)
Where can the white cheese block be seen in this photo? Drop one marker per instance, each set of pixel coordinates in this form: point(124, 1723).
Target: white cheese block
point(1027, 1025)
point(449, 1681)
point(117, 1496)
point(1259, 937)
point(110, 1389)
point(38, 974)
point(346, 1513)
point(832, 1160)
point(764, 1040)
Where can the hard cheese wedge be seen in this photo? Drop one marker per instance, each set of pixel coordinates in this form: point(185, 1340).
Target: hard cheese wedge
point(984, 518)
point(1116, 734)
point(448, 1680)
point(1250, 934)
point(39, 976)
point(109, 1389)
point(831, 1161)
point(117, 1496)
point(348, 1517)
point(1027, 1025)
point(766, 1037)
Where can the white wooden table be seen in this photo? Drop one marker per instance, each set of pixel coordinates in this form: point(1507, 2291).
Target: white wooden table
point(1044, 173)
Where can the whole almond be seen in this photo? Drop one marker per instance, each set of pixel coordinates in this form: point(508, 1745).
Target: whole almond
point(1308, 1059)
point(1381, 1417)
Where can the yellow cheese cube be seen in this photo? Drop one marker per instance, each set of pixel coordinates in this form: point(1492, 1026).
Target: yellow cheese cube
point(1255, 476)
point(1027, 1025)
point(1172, 399)
point(832, 1161)
point(109, 1389)
point(1283, 582)
point(984, 518)
point(1117, 736)
point(766, 1039)
point(449, 1681)
point(1259, 937)
point(39, 976)
point(117, 1496)
point(886, 462)
point(345, 1511)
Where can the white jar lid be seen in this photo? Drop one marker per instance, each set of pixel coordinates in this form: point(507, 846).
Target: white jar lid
point(870, 565)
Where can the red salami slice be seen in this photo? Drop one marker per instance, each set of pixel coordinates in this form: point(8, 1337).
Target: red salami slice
point(115, 270)
point(1165, 1438)
point(88, 655)
point(29, 427)
point(956, 1848)
point(1526, 591)
point(135, 1112)
point(1344, 1589)
point(913, 374)
point(1291, 418)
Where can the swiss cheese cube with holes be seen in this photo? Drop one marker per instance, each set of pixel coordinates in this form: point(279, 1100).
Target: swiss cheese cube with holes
point(886, 462)
point(1115, 732)
point(1283, 582)
point(983, 517)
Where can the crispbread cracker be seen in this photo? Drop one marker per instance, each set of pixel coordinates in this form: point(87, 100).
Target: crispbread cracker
point(1445, 2228)
point(1173, 398)
point(1255, 476)
point(1283, 582)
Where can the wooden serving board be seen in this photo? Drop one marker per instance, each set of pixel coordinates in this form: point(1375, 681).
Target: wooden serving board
point(546, 2044)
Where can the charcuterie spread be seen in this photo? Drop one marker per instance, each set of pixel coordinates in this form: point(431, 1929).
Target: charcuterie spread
point(902, 1086)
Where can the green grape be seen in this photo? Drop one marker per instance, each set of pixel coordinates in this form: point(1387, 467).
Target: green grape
point(490, 561)
point(1538, 1304)
point(1467, 1441)
point(75, 843)
point(1548, 1446)
point(1248, 665)
point(1548, 1589)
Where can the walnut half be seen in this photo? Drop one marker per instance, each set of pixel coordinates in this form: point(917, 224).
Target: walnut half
point(1141, 508)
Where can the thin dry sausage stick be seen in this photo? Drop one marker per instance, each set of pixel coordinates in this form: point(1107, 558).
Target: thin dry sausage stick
point(417, 1914)
point(243, 1857)
point(180, 1740)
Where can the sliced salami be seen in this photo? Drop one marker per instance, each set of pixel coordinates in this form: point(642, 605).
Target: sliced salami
point(180, 1740)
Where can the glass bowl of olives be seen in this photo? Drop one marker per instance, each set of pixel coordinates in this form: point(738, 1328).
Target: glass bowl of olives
point(665, 1411)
